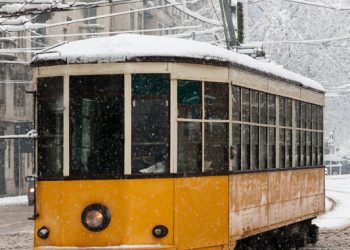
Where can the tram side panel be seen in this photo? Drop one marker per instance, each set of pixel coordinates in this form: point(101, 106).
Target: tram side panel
point(259, 202)
point(200, 212)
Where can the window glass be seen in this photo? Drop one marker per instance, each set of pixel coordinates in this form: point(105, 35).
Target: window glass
point(282, 111)
point(288, 112)
point(189, 99)
point(288, 144)
point(320, 149)
point(297, 114)
point(236, 147)
point(245, 105)
point(245, 150)
point(254, 148)
point(308, 148)
point(263, 107)
point(282, 149)
point(263, 148)
point(216, 100)
point(303, 115)
point(50, 127)
point(216, 147)
point(302, 148)
point(96, 125)
point(189, 151)
point(308, 115)
point(320, 117)
point(255, 105)
point(314, 148)
point(271, 108)
point(271, 148)
point(297, 148)
point(236, 103)
point(314, 116)
point(150, 130)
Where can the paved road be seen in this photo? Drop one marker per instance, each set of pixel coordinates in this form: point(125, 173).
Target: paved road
point(16, 232)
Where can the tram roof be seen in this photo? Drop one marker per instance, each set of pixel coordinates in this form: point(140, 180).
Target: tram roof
point(132, 47)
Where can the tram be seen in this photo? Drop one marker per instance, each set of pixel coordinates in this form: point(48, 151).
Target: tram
point(161, 143)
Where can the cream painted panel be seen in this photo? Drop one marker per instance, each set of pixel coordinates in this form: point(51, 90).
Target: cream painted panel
point(198, 72)
point(108, 68)
point(283, 89)
point(248, 80)
point(312, 97)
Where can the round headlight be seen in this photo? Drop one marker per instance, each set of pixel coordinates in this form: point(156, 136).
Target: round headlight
point(96, 217)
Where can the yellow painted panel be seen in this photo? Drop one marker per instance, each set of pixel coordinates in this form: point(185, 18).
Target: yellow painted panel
point(136, 206)
point(201, 216)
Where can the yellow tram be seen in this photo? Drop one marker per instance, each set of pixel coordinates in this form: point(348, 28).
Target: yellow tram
point(161, 143)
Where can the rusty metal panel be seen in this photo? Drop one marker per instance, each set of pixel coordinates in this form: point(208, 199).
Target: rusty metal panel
point(260, 202)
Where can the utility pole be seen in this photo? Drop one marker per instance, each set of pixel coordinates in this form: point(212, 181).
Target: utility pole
point(227, 12)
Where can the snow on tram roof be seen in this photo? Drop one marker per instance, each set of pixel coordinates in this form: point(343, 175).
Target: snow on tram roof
point(126, 47)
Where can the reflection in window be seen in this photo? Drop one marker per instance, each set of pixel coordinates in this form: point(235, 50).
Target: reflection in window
point(50, 127)
point(308, 115)
point(282, 148)
point(297, 148)
point(288, 112)
point(263, 107)
point(189, 147)
point(303, 115)
point(255, 148)
point(96, 125)
point(255, 105)
point(263, 148)
point(216, 100)
point(302, 148)
point(236, 103)
point(308, 148)
point(189, 98)
point(236, 147)
point(320, 149)
point(288, 144)
point(282, 113)
point(297, 113)
point(314, 116)
point(271, 109)
point(150, 123)
point(245, 105)
point(216, 147)
point(245, 151)
point(314, 148)
point(271, 148)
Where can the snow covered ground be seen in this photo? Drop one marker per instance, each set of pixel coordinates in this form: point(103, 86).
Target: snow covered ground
point(16, 200)
point(338, 191)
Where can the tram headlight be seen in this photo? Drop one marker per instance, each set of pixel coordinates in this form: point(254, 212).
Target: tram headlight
point(96, 217)
point(160, 231)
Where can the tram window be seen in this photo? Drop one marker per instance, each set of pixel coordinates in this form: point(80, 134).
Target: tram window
point(282, 149)
point(308, 148)
point(255, 105)
point(319, 117)
point(96, 125)
point(271, 148)
point(314, 117)
point(263, 147)
point(263, 107)
point(216, 100)
point(303, 115)
point(302, 148)
point(288, 112)
point(236, 147)
point(282, 111)
point(255, 148)
point(308, 115)
point(216, 147)
point(189, 99)
point(236, 103)
point(297, 148)
point(245, 150)
point(297, 113)
point(245, 105)
point(320, 149)
point(150, 130)
point(288, 147)
point(314, 148)
point(271, 108)
point(50, 127)
point(189, 158)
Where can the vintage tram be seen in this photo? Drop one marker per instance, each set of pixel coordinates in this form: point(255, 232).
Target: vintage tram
point(161, 143)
